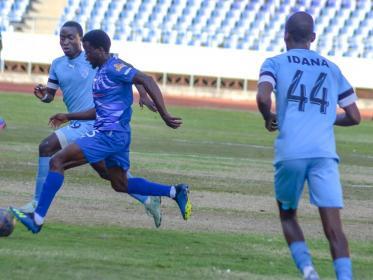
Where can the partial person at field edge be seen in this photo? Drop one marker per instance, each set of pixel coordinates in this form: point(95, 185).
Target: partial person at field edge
point(308, 87)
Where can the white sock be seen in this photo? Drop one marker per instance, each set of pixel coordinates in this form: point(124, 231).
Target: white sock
point(172, 192)
point(147, 201)
point(38, 219)
point(308, 269)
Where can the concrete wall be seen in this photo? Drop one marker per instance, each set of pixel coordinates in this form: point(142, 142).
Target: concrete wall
point(184, 60)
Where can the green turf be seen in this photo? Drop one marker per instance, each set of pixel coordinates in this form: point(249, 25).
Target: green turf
point(216, 146)
point(215, 151)
point(72, 252)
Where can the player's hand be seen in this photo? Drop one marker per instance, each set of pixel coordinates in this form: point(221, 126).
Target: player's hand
point(145, 100)
point(173, 122)
point(57, 120)
point(271, 123)
point(40, 91)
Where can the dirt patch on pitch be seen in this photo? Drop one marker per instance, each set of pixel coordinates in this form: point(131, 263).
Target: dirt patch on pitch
point(222, 212)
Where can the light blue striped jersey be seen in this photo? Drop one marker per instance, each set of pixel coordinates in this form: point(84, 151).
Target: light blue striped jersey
point(113, 96)
point(74, 77)
point(308, 88)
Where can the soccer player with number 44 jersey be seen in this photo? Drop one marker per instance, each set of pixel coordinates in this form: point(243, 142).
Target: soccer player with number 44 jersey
point(308, 88)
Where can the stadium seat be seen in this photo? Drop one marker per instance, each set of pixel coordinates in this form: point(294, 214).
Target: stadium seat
point(12, 12)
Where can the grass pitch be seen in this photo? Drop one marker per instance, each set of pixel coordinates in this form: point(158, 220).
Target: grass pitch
point(94, 233)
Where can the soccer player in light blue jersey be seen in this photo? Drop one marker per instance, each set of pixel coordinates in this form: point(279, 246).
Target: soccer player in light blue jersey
point(73, 74)
point(308, 88)
point(111, 137)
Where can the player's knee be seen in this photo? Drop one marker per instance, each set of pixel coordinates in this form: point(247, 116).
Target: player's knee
point(287, 214)
point(288, 218)
point(45, 148)
point(119, 187)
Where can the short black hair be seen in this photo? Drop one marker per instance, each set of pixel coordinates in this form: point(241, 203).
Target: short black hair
point(98, 39)
point(300, 26)
point(74, 24)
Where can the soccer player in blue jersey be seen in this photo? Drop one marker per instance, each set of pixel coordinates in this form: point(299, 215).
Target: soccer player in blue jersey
point(111, 137)
point(308, 87)
point(73, 74)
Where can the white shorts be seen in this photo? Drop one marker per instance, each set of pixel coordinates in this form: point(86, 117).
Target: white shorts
point(322, 177)
point(73, 131)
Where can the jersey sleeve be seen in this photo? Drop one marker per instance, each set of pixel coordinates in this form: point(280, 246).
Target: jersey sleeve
point(52, 79)
point(268, 72)
point(346, 94)
point(123, 72)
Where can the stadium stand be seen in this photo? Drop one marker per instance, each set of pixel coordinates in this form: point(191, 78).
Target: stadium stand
point(198, 47)
point(344, 26)
point(12, 12)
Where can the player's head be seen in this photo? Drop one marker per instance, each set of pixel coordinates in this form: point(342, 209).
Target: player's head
point(96, 44)
point(299, 31)
point(70, 38)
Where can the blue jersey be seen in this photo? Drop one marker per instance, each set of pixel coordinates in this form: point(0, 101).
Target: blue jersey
point(308, 88)
point(74, 77)
point(112, 94)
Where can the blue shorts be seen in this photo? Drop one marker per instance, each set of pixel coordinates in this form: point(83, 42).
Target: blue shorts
point(75, 130)
point(322, 177)
point(111, 146)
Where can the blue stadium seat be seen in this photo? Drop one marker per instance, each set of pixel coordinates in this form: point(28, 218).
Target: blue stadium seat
point(257, 24)
point(11, 12)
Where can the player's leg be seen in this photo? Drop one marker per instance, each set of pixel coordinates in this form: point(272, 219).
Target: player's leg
point(332, 225)
point(92, 148)
point(289, 182)
point(290, 226)
point(152, 204)
point(296, 243)
point(326, 193)
point(101, 169)
point(52, 184)
point(120, 183)
point(55, 177)
point(117, 166)
point(48, 147)
point(68, 135)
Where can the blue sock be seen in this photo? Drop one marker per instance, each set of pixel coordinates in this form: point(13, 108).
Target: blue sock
point(301, 255)
point(343, 268)
point(145, 187)
point(51, 186)
point(43, 169)
point(141, 198)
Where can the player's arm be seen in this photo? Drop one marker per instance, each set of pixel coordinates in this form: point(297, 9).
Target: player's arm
point(350, 116)
point(58, 119)
point(45, 94)
point(144, 98)
point(155, 94)
point(264, 102)
point(347, 101)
